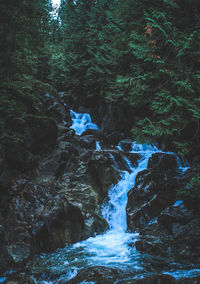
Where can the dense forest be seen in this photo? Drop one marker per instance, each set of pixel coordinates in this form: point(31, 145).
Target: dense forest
point(142, 57)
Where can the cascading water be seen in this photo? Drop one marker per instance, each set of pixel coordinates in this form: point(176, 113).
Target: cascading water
point(81, 122)
point(110, 249)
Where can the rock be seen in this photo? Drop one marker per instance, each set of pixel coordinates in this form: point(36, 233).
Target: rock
point(102, 173)
point(151, 279)
point(20, 252)
point(41, 219)
point(5, 260)
point(87, 199)
point(175, 215)
point(53, 167)
point(126, 145)
point(20, 278)
point(94, 132)
point(191, 280)
point(63, 224)
point(57, 107)
point(112, 138)
point(41, 134)
point(18, 157)
point(90, 140)
point(95, 274)
point(154, 190)
point(162, 162)
point(134, 158)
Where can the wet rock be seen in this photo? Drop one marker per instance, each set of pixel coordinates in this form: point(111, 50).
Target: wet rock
point(53, 167)
point(87, 199)
point(95, 274)
point(64, 223)
point(175, 215)
point(112, 138)
point(20, 278)
point(40, 219)
point(126, 145)
point(162, 162)
point(154, 190)
point(134, 158)
point(94, 132)
point(192, 280)
point(167, 228)
point(151, 279)
point(90, 140)
point(102, 173)
point(19, 252)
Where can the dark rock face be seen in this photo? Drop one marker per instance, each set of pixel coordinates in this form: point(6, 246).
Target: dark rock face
point(64, 223)
point(18, 157)
point(154, 190)
point(5, 259)
point(41, 134)
point(166, 228)
point(55, 183)
point(162, 162)
point(96, 274)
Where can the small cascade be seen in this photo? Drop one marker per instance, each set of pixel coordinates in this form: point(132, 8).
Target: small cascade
point(98, 146)
point(182, 164)
point(81, 122)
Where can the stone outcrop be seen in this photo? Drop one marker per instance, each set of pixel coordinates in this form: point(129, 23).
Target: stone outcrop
point(155, 189)
point(55, 183)
point(168, 227)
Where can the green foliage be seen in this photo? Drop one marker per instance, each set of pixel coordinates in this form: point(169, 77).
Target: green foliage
point(140, 56)
point(192, 189)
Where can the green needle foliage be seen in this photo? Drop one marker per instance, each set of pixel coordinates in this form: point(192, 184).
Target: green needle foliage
point(141, 57)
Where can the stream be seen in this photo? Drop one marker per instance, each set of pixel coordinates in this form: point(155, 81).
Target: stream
point(111, 249)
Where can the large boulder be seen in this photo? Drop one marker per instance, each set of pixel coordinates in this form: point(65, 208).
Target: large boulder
point(154, 190)
point(102, 172)
point(40, 219)
point(57, 107)
point(62, 224)
point(168, 227)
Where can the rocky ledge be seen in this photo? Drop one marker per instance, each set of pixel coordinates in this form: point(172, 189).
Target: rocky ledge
point(168, 227)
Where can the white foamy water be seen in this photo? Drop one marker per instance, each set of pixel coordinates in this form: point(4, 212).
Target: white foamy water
point(98, 146)
point(81, 122)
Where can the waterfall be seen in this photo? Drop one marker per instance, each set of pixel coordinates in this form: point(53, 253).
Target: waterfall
point(110, 249)
point(81, 122)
